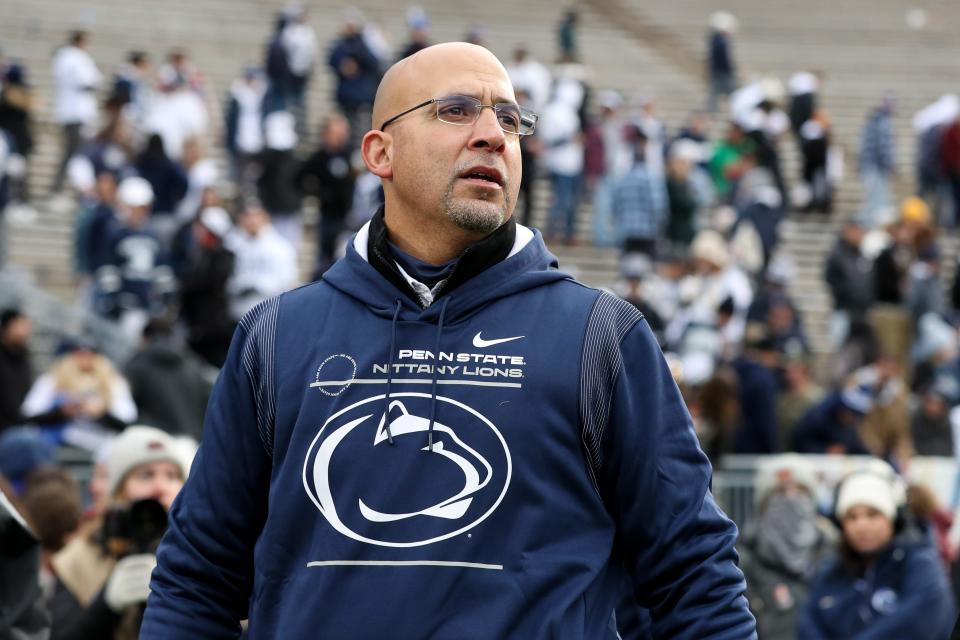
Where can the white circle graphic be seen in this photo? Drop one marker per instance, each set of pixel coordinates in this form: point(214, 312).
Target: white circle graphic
point(353, 374)
point(316, 469)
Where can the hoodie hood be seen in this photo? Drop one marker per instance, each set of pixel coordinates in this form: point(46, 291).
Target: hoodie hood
point(529, 265)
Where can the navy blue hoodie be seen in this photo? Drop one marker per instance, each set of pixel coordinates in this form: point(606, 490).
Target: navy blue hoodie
point(492, 466)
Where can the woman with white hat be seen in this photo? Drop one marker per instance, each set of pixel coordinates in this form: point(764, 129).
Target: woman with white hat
point(99, 586)
point(887, 580)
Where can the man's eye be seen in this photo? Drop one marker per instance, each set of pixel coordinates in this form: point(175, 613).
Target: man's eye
point(456, 110)
point(509, 120)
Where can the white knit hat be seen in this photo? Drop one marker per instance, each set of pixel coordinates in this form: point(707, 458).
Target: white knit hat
point(135, 192)
point(137, 445)
point(877, 486)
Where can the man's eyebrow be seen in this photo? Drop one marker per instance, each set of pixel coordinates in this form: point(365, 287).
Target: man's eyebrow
point(477, 95)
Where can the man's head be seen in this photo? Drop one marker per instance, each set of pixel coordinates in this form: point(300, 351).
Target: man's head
point(80, 39)
point(15, 328)
point(253, 218)
point(461, 180)
point(336, 132)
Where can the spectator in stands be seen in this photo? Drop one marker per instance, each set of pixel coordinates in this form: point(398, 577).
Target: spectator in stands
point(95, 225)
point(52, 506)
point(177, 112)
point(99, 587)
point(243, 123)
point(682, 199)
point(799, 393)
point(137, 278)
point(890, 319)
point(567, 35)
point(266, 264)
point(131, 84)
point(531, 77)
point(76, 78)
point(23, 450)
point(180, 70)
point(639, 204)
point(418, 22)
point(930, 423)
point(276, 186)
point(815, 141)
point(357, 71)
point(803, 88)
point(885, 430)
point(204, 306)
point(721, 68)
point(81, 398)
point(756, 370)
point(731, 158)
point(617, 160)
point(950, 158)
point(887, 581)
point(563, 156)
point(170, 386)
point(24, 615)
point(932, 185)
point(878, 158)
point(716, 412)
point(202, 174)
point(784, 328)
point(169, 183)
point(782, 546)
point(329, 175)
point(299, 43)
point(925, 288)
point(848, 276)
point(17, 106)
point(110, 150)
point(16, 372)
point(831, 426)
point(531, 149)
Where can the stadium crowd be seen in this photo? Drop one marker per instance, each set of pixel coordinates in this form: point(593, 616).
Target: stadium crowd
point(175, 250)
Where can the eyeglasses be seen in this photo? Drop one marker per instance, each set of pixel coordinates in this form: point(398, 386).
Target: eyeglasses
point(465, 110)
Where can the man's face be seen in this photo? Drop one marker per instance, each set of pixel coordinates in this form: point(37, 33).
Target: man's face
point(436, 165)
point(17, 333)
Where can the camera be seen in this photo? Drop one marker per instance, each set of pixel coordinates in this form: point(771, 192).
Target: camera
point(134, 528)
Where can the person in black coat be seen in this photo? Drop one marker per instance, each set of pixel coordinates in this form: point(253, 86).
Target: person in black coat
point(203, 287)
point(329, 176)
point(170, 385)
point(16, 373)
point(168, 179)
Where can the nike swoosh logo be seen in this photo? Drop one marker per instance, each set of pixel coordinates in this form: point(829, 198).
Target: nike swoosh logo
point(480, 343)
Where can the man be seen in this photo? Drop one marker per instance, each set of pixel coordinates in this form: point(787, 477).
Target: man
point(76, 77)
point(265, 262)
point(459, 484)
point(847, 274)
point(16, 373)
point(329, 175)
point(877, 159)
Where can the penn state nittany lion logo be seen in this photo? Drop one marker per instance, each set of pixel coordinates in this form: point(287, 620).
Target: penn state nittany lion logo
point(406, 494)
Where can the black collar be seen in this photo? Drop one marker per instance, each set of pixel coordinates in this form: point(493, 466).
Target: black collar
point(473, 261)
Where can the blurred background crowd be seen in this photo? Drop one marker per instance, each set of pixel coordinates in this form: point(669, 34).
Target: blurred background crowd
point(790, 238)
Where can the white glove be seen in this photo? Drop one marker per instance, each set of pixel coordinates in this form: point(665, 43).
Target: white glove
point(130, 581)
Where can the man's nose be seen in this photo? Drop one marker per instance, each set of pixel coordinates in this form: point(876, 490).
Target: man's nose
point(487, 133)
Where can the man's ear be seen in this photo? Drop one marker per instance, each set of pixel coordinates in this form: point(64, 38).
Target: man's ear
point(377, 152)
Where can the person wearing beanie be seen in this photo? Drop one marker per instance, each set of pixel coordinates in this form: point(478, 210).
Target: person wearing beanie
point(96, 593)
point(887, 580)
point(782, 545)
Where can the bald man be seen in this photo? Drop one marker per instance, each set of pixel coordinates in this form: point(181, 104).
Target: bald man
point(446, 436)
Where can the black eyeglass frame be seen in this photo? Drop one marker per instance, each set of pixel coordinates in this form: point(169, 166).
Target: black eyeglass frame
point(481, 106)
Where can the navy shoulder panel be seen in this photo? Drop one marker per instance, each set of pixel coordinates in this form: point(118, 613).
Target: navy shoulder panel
point(610, 320)
point(258, 357)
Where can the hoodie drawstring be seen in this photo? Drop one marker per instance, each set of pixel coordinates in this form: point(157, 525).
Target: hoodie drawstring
point(436, 367)
point(393, 344)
